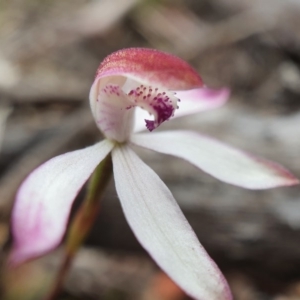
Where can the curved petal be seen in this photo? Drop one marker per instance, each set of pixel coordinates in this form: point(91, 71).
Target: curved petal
point(162, 229)
point(150, 67)
point(197, 100)
point(160, 104)
point(191, 102)
point(44, 200)
point(112, 111)
point(217, 159)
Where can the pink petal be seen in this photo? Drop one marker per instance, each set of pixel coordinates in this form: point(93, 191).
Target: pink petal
point(197, 100)
point(217, 159)
point(44, 200)
point(150, 67)
point(162, 229)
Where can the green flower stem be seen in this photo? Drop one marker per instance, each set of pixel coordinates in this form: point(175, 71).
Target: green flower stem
point(83, 221)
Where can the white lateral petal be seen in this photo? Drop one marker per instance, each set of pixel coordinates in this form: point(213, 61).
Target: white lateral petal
point(201, 99)
point(44, 200)
point(217, 159)
point(162, 229)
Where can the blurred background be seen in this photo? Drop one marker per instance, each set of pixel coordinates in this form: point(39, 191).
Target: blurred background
point(49, 52)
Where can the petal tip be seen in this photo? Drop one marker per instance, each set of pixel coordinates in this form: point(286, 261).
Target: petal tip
point(221, 94)
point(291, 180)
point(281, 176)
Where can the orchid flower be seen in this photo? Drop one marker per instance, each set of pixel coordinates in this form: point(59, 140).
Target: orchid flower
point(135, 89)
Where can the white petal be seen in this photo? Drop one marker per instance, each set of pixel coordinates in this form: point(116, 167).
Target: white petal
point(112, 110)
point(217, 159)
point(162, 229)
point(44, 200)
